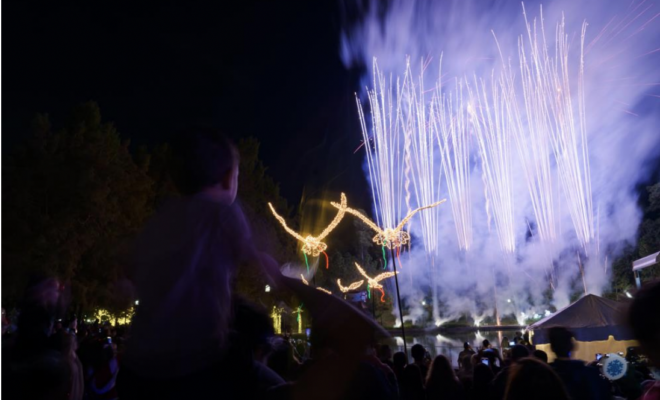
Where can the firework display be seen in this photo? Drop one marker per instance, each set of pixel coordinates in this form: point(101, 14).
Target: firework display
point(510, 146)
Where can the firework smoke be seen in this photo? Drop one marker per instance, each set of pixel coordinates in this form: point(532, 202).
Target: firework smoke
point(539, 152)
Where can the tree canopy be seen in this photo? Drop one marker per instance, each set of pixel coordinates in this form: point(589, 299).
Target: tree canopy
point(75, 197)
point(72, 198)
point(648, 242)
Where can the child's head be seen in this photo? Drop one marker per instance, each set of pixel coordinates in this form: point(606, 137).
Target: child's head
point(207, 161)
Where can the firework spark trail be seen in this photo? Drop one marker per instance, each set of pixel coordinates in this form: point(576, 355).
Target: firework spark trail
point(425, 179)
point(420, 155)
point(492, 127)
point(551, 129)
point(569, 137)
point(449, 122)
point(533, 140)
point(384, 158)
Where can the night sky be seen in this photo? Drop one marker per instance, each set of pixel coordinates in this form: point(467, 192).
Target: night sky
point(265, 69)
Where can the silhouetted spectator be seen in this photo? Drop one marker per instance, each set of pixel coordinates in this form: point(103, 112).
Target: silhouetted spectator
point(399, 361)
point(385, 355)
point(465, 373)
point(441, 381)
point(643, 319)
point(411, 386)
point(31, 367)
point(371, 359)
point(67, 345)
point(533, 379)
point(491, 358)
point(518, 352)
point(418, 353)
point(103, 380)
point(467, 351)
point(525, 338)
point(481, 380)
point(283, 361)
point(581, 382)
point(485, 344)
point(540, 355)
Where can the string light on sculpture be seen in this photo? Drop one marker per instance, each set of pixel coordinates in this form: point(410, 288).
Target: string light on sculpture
point(299, 318)
point(352, 286)
point(324, 290)
point(313, 245)
point(276, 315)
point(374, 283)
point(302, 277)
point(392, 238)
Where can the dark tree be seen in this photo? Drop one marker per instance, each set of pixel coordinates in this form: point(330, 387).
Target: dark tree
point(648, 242)
point(72, 198)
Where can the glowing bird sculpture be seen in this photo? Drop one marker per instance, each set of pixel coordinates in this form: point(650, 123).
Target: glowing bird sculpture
point(392, 238)
point(302, 277)
point(324, 290)
point(374, 283)
point(313, 245)
point(352, 286)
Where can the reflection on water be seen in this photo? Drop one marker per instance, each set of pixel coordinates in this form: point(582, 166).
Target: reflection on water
point(449, 344)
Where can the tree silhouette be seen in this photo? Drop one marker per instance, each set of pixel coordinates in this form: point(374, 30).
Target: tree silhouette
point(72, 199)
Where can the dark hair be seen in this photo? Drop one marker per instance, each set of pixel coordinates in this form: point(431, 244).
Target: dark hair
point(560, 341)
point(412, 383)
point(541, 355)
point(518, 352)
point(251, 322)
point(466, 345)
point(531, 378)
point(645, 327)
point(383, 350)
point(417, 351)
point(203, 157)
point(441, 377)
point(485, 343)
point(481, 379)
point(399, 359)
